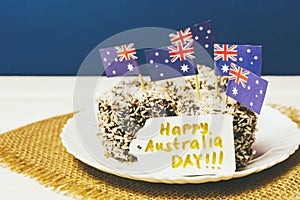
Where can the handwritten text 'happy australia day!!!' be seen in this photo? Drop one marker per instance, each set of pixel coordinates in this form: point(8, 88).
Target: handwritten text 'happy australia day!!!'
point(190, 143)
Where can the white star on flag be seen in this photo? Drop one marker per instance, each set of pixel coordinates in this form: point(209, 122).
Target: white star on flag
point(184, 68)
point(130, 67)
point(225, 68)
point(234, 91)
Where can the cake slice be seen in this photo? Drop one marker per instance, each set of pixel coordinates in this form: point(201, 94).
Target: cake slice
point(124, 109)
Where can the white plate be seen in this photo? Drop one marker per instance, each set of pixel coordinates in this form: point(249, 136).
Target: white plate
point(278, 137)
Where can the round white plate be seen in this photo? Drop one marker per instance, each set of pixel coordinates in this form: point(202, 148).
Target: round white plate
point(278, 137)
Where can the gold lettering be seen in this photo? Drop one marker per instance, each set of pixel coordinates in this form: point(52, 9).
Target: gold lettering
point(198, 158)
point(176, 130)
point(159, 146)
point(195, 128)
point(218, 142)
point(207, 158)
point(204, 127)
point(214, 158)
point(188, 161)
point(195, 144)
point(186, 127)
point(176, 161)
point(149, 146)
point(204, 141)
point(184, 143)
point(165, 130)
point(168, 148)
point(221, 157)
point(176, 144)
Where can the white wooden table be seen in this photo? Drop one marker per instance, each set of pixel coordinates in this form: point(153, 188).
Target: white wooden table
point(27, 99)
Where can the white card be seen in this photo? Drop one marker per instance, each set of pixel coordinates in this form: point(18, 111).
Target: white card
point(186, 145)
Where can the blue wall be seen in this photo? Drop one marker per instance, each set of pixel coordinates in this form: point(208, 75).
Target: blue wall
point(52, 37)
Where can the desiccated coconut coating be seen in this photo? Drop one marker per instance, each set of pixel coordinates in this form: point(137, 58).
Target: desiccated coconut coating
point(120, 122)
point(244, 127)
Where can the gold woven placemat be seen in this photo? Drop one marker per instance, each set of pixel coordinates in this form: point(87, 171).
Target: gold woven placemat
point(36, 151)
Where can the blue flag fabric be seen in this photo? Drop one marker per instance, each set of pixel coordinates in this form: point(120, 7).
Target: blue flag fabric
point(202, 33)
point(166, 63)
point(247, 56)
point(246, 87)
point(119, 60)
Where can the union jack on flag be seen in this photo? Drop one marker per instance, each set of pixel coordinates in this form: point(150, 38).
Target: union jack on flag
point(247, 88)
point(238, 74)
point(181, 51)
point(225, 52)
point(126, 52)
point(247, 56)
point(181, 37)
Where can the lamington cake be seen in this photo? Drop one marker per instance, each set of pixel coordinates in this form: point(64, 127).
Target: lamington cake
point(124, 109)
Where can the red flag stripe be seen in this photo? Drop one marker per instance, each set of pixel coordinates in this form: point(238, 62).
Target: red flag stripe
point(225, 52)
point(238, 75)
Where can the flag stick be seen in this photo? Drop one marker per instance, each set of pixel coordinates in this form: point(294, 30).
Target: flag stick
point(142, 82)
point(226, 100)
point(197, 87)
point(217, 84)
point(226, 96)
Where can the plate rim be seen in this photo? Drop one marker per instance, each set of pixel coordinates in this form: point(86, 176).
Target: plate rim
point(171, 180)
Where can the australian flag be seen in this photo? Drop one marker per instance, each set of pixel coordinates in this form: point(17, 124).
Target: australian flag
point(246, 87)
point(247, 56)
point(202, 33)
point(171, 62)
point(119, 60)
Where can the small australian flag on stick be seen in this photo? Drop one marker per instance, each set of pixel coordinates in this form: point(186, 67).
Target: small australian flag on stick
point(120, 60)
point(247, 56)
point(202, 33)
point(246, 87)
point(171, 62)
